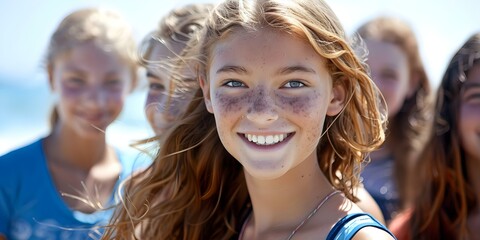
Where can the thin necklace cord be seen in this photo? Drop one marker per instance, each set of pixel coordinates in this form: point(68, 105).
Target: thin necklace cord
point(304, 221)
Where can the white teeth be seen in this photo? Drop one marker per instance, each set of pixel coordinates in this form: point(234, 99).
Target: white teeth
point(261, 140)
point(269, 139)
point(266, 140)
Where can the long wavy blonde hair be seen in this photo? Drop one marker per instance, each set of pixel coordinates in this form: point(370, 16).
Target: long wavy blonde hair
point(195, 189)
point(446, 197)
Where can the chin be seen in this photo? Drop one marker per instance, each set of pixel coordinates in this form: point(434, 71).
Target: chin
point(93, 131)
point(94, 134)
point(265, 171)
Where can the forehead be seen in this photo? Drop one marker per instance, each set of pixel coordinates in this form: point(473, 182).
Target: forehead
point(267, 46)
point(161, 55)
point(164, 62)
point(385, 52)
point(164, 50)
point(89, 55)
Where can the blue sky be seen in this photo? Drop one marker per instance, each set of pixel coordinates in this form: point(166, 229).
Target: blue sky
point(441, 26)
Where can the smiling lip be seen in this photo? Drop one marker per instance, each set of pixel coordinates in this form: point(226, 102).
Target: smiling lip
point(94, 119)
point(162, 129)
point(266, 141)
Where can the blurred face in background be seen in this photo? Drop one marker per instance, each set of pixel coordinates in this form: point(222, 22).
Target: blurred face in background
point(92, 85)
point(166, 99)
point(390, 71)
point(469, 122)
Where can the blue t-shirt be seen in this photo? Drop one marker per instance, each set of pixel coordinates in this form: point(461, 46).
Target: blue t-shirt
point(31, 207)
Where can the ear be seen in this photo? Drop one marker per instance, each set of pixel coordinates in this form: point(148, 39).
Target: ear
point(337, 101)
point(206, 94)
point(413, 84)
point(50, 76)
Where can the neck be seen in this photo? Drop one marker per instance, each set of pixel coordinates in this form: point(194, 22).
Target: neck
point(69, 149)
point(281, 204)
point(473, 177)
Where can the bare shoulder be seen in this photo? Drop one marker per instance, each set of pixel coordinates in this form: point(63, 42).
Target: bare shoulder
point(368, 233)
point(368, 204)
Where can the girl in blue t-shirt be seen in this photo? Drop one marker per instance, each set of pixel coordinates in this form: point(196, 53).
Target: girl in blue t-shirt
point(54, 187)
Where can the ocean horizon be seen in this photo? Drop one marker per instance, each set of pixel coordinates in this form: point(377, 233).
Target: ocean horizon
point(26, 103)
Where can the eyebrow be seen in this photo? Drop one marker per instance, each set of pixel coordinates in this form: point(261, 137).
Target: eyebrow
point(152, 75)
point(471, 85)
point(297, 68)
point(76, 70)
point(232, 69)
point(282, 71)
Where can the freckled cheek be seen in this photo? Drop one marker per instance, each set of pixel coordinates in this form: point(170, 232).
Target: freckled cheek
point(224, 124)
point(312, 137)
point(154, 99)
point(71, 92)
point(180, 102)
point(228, 105)
point(152, 106)
point(387, 89)
point(470, 116)
point(114, 97)
point(304, 105)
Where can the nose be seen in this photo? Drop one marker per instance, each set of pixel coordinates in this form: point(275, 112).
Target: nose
point(172, 106)
point(373, 76)
point(170, 110)
point(95, 98)
point(263, 108)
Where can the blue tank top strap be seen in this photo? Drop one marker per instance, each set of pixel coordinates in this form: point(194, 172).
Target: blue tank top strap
point(349, 225)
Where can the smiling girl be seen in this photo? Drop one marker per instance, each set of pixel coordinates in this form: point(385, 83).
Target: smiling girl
point(52, 188)
point(272, 144)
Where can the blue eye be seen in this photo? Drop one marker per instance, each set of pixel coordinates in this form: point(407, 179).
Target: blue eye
point(234, 83)
point(294, 84)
